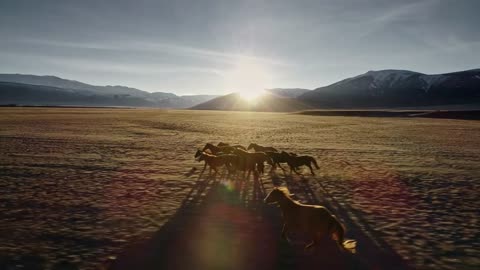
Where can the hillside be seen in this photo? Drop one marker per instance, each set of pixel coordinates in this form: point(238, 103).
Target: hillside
point(27, 94)
point(288, 92)
point(51, 90)
point(265, 103)
point(391, 88)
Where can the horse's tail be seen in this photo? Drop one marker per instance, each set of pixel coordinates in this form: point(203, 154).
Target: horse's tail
point(314, 162)
point(338, 229)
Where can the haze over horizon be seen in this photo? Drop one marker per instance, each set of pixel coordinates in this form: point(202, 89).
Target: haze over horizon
point(216, 47)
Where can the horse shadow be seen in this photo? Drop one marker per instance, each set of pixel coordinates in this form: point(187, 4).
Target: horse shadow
point(223, 223)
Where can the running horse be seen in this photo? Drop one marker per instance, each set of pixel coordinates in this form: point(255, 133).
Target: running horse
point(238, 146)
point(259, 148)
point(218, 149)
point(214, 162)
point(277, 158)
point(250, 162)
point(314, 220)
point(295, 161)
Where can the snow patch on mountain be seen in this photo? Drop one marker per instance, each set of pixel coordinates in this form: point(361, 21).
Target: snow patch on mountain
point(387, 77)
point(431, 80)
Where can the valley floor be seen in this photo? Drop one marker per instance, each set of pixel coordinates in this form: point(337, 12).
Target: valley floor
point(93, 186)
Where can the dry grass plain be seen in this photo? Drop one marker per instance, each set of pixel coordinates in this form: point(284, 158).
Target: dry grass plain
point(81, 185)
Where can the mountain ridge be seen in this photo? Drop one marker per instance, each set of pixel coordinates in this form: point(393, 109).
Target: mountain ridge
point(112, 95)
point(389, 88)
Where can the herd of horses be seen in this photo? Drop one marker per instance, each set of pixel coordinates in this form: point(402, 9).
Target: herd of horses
point(238, 158)
point(314, 220)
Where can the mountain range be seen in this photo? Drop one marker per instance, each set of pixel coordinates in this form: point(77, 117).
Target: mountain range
point(51, 90)
point(373, 89)
point(398, 88)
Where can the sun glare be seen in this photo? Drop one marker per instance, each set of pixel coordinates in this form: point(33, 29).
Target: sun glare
point(248, 78)
point(251, 95)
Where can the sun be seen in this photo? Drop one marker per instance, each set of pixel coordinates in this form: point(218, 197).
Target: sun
point(251, 96)
point(248, 78)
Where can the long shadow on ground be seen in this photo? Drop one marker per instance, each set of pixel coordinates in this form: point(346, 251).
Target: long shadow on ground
point(224, 224)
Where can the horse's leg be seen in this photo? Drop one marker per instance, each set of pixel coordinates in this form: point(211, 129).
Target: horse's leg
point(280, 165)
point(204, 167)
point(272, 168)
point(310, 245)
point(229, 169)
point(311, 170)
point(283, 230)
point(295, 170)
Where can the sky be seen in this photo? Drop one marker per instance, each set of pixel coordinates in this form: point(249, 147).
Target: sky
point(217, 47)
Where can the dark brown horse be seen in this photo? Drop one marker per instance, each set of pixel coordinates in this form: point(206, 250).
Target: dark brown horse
point(277, 158)
point(315, 220)
point(249, 162)
point(295, 161)
point(238, 146)
point(259, 148)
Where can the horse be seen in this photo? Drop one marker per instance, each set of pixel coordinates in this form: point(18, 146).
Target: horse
point(315, 220)
point(214, 161)
point(218, 149)
point(259, 148)
point(238, 146)
point(249, 161)
point(295, 161)
point(277, 158)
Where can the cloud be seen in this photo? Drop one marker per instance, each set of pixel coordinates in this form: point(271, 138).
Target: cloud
point(157, 47)
point(92, 65)
point(406, 11)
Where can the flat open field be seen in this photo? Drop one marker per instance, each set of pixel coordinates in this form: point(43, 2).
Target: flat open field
point(88, 185)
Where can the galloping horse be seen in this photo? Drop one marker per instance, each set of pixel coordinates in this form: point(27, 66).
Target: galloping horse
point(295, 161)
point(214, 161)
point(218, 149)
point(277, 158)
point(238, 146)
point(249, 161)
point(259, 148)
point(315, 220)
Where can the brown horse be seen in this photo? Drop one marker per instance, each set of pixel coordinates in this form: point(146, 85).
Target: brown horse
point(249, 162)
point(295, 161)
point(214, 162)
point(277, 158)
point(238, 146)
point(315, 220)
point(259, 148)
point(218, 149)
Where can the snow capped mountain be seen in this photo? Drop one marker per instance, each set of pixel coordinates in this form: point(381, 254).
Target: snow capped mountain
point(387, 77)
point(391, 87)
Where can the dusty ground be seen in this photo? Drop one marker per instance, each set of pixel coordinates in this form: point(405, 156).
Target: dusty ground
point(82, 185)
